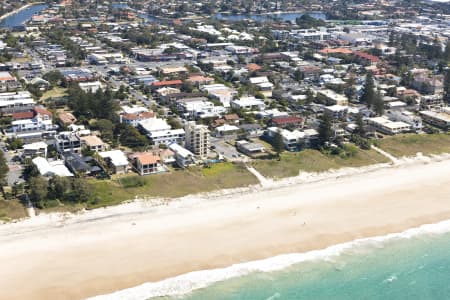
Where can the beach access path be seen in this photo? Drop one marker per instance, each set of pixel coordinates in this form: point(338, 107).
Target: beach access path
point(110, 249)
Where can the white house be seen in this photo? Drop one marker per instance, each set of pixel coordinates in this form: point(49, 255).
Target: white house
point(116, 159)
point(250, 103)
point(183, 157)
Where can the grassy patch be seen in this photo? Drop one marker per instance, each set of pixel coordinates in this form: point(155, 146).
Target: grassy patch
point(176, 183)
point(314, 161)
point(54, 93)
point(11, 209)
point(20, 60)
point(410, 144)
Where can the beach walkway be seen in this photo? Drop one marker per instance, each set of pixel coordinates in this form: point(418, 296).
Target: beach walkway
point(388, 155)
point(30, 209)
point(262, 180)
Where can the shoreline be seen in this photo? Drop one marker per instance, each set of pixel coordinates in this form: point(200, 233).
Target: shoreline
point(190, 282)
point(115, 248)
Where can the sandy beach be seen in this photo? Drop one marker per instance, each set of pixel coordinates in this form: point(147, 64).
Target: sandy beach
point(98, 252)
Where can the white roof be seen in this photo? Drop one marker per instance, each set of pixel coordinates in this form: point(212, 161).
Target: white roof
point(134, 109)
point(56, 167)
point(162, 133)
point(117, 157)
point(35, 146)
point(336, 108)
point(227, 127)
point(248, 101)
point(154, 124)
point(258, 80)
point(185, 153)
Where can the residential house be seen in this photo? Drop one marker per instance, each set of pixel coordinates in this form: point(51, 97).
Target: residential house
point(93, 143)
point(220, 92)
point(116, 160)
point(67, 142)
point(248, 103)
point(50, 169)
point(296, 139)
point(66, 118)
point(287, 122)
point(183, 157)
point(147, 163)
point(384, 125)
point(251, 149)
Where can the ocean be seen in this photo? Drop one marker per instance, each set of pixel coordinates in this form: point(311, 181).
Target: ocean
point(414, 264)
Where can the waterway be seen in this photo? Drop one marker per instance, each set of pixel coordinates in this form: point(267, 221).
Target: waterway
point(22, 16)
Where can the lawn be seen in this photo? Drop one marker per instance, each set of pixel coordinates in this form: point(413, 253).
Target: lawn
point(54, 93)
point(11, 209)
point(176, 183)
point(410, 144)
point(314, 161)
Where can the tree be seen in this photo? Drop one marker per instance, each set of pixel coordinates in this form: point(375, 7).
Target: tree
point(81, 190)
point(378, 104)
point(15, 143)
point(3, 168)
point(106, 128)
point(59, 187)
point(447, 86)
point(368, 95)
point(38, 190)
point(446, 54)
point(325, 129)
point(278, 144)
point(360, 130)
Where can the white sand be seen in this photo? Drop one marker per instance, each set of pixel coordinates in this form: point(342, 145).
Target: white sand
point(97, 252)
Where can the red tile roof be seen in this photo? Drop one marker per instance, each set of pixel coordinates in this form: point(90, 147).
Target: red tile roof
point(42, 111)
point(23, 115)
point(367, 56)
point(286, 120)
point(167, 82)
point(148, 158)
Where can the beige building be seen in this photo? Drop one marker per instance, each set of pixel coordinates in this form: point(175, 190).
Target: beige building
point(197, 139)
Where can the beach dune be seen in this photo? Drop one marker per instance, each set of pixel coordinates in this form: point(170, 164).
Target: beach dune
point(83, 258)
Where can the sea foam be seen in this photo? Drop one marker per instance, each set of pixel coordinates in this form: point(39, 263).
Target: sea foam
point(186, 283)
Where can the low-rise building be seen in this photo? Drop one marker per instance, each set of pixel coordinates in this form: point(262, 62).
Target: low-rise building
point(384, 125)
point(159, 132)
point(93, 143)
point(16, 102)
point(249, 103)
point(439, 118)
point(251, 149)
point(116, 160)
point(147, 163)
point(183, 157)
point(296, 139)
point(66, 118)
point(50, 169)
point(333, 98)
point(67, 142)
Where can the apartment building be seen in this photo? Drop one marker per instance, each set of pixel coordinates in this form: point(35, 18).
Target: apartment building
point(197, 139)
